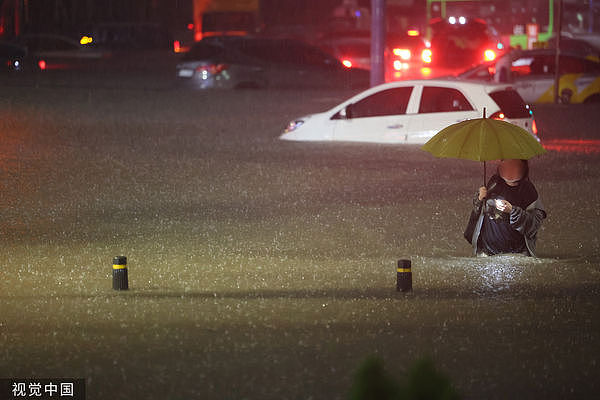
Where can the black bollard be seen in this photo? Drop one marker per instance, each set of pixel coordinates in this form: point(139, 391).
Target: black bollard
point(404, 276)
point(120, 281)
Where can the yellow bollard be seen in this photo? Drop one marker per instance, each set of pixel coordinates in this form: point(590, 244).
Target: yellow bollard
point(120, 280)
point(404, 276)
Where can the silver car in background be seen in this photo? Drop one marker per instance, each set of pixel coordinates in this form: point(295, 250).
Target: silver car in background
point(232, 62)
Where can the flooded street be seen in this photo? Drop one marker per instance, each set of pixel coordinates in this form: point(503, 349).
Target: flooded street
point(263, 269)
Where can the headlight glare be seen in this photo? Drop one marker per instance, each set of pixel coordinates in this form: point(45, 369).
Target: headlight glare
point(293, 125)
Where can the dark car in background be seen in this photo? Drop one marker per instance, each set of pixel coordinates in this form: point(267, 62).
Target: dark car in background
point(129, 36)
point(404, 54)
point(459, 42)
point(256, 62)
point(352, 49)
point(59, 52)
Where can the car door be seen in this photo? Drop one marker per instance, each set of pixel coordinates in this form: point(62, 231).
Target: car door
point(576, 80)
point(379, 117)
point(533, 76)
point(440, 107)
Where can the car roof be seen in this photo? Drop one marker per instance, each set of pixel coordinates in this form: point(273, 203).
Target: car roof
point(64, 38)
point(466, 84)
point(543, 52)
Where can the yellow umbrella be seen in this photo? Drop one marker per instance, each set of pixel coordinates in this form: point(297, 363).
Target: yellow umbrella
point(484, 139)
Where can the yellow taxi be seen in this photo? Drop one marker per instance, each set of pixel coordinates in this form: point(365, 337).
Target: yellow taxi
point(532, 72)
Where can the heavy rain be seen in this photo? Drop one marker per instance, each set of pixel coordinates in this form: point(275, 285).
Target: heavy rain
point(266, 269)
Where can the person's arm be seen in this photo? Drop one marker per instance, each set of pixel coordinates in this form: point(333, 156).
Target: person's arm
point(528, 221)
point(478, 200)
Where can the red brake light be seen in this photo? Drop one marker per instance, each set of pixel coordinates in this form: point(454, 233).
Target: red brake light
point(402, 53)
point(347, 63)
point(489, 55)
point(534, 128)
point(212, 68)
point(427, 56)
point(399, 65)
point(413, 32)
point(498, 115)
point(176, 46)
point(42, 64)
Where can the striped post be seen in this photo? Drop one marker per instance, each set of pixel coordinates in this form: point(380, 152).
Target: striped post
point(404, 276)
point(120, 281)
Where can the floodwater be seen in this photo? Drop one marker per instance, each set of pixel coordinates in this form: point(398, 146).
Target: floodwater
point(262, 269)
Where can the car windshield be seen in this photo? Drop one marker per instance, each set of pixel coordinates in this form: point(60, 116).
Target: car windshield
point(469, 36)
point(510, 103)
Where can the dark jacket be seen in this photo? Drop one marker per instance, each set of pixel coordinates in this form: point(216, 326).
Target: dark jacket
point(526, 216)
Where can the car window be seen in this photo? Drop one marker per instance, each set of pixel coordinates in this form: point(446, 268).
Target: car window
point(545, 65)
point(203, 51)
point(578, 65)
point(58, 44)
point(510, 103)
point(535, 66)
point(441, 99)
point(591, 67)
point(267, 50)
point(571, 65)
point(288, 52)
point(387, 102)
point(301, 54)
point(521, 66)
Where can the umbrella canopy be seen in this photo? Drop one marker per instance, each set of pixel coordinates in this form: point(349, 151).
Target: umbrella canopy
point(484, 139)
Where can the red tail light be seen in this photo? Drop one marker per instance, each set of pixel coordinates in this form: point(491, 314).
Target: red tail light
point(212, 68)
point(489, 55)
point(404, 54)
point(499, 115)
point(427, 56)
point(534, 128)
point(347, 63)
point(42, 64)
point(176, 46)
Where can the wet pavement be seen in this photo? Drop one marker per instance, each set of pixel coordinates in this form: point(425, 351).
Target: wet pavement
point(262, 269)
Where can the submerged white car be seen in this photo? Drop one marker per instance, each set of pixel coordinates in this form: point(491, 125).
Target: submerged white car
point(411, 112)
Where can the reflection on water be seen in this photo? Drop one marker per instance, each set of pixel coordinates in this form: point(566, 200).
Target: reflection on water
point(585, 146)
point(499, 273)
